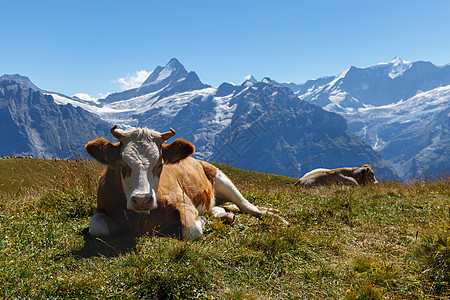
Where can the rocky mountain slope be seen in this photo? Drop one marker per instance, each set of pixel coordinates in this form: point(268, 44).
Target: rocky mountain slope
point(31, 123)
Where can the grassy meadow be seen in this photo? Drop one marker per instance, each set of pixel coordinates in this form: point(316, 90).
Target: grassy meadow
point(389, 241)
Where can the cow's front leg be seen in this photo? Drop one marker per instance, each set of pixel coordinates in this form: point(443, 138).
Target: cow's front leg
point(234, 208)
point(101, 225)
point(220, 213)
point(191, 224)
point(348, 180)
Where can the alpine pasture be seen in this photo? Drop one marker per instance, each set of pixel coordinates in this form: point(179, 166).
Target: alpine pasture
point(385, 241)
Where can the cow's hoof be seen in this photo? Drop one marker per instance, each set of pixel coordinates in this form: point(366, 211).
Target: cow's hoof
point(228, 218)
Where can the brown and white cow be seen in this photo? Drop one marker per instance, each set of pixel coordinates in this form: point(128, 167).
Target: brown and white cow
point(347, 176)
point(151, 187)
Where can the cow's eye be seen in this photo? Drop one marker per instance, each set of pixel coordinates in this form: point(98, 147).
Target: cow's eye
point(125, 171)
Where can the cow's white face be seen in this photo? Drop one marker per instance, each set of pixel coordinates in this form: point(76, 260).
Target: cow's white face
point(139, 159)
point(140, 168)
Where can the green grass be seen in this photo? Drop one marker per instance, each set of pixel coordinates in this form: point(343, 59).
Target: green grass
point(389, 241)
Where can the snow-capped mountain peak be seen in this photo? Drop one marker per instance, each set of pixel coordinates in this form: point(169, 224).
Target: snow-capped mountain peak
point(267, 80)
point(398, 67)
point(397, 60)
point(394, 68)
point(174, 64)
point(250, 78)
point(165, 81)
point(174, 70)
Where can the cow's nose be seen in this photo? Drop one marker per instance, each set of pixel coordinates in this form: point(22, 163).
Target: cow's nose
point(142, 202)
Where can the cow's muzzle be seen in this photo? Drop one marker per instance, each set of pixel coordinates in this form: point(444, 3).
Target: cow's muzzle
point(142, 203)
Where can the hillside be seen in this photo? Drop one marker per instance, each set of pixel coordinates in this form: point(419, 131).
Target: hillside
point(388, 241)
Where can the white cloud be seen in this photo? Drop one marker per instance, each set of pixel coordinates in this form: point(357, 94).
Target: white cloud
point(103, 95)
point(84, 96)
point(132, 81)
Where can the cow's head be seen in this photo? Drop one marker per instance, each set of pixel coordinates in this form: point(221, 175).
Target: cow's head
point(365, 175)
point(139, 157)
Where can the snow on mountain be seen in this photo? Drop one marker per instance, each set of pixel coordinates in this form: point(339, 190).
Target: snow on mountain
point(384, 102)
point(271, 130)
point(384, 83)
point(173, 66)
point(250, 78)
point(173, 69)
point(396, 67)
point(74, 101)
point(166, 90)
point(171, 79)
point(158, 107)
point(393, 69)
point(421, 108)
point(85, 97)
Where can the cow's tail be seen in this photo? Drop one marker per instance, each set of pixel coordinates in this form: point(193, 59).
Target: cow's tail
point(225, 189)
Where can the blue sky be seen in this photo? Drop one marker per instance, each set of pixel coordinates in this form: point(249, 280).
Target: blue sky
point(77, 46)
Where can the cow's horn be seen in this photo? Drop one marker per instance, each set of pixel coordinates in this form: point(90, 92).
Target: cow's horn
point(167, 135)
point(115, 133)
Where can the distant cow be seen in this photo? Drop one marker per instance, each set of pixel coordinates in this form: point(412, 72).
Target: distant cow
point(151, 187)
point(347, 176)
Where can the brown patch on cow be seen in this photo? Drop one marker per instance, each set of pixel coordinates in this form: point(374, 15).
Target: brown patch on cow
point(186, 180)
point(111, 199)
point(104, 151)
point(176, 151)
point(210, 171)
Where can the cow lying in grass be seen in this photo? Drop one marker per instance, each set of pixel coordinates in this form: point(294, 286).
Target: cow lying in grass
point(346, 176)
point(151, 187)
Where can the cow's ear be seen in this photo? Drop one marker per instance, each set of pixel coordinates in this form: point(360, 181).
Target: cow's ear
point(104, 151)
point(366, 169)
point(176, 151)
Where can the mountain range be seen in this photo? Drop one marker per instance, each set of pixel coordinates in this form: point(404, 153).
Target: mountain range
point(286, 129)
point(401, 108)
point(237, 123)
